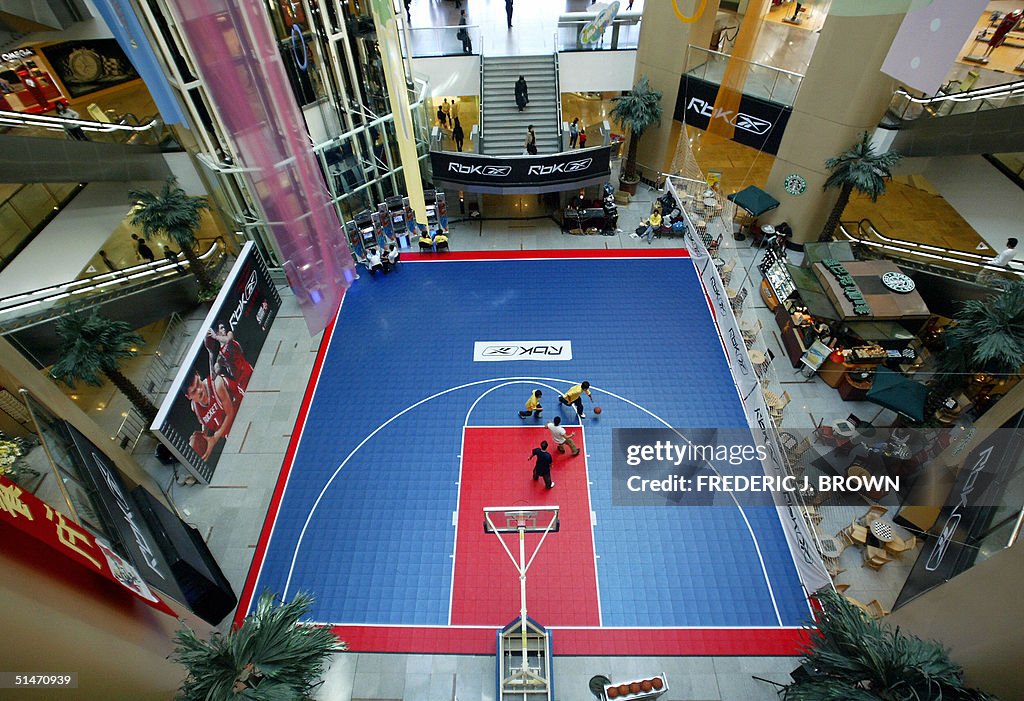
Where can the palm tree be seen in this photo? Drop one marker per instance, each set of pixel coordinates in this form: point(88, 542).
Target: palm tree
point(856, 658)
point(270, 657)
point(173, 214)
point(636, 111)
point(986, 336)
point(862, 169)
point(93, 345)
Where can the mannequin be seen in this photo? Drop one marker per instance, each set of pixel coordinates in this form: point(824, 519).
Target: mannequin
point(1010, 20)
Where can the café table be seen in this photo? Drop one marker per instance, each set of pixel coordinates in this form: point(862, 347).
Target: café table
point(883, 530)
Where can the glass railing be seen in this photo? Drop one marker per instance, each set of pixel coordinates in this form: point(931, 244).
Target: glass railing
point(31, 307)
point(764, 82)
point(906, 106)
point(127, 130)
point(26, 211)
point(622, 33)
point(425, 42)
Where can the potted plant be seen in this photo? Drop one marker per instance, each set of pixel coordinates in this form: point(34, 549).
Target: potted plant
point(853, 656)
point(175, 215)
point(637, 111)
point(986, 336)
point(271, 656)
point(859, 168)
point(93, 345)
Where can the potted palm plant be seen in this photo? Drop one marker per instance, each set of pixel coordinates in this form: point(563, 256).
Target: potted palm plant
point(270, 657)
point(859, 168)
point(175, 215)
point(986, 336)
point(92, 345)
point(853, 656)
point(637, 111)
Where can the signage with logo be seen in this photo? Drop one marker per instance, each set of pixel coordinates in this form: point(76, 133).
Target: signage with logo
point(17, 54)
point(759, 123)
point(498, 351)
point(41, 522)
point(977, 495)
point(198, 413)
point(523, 174)
point(795, 184)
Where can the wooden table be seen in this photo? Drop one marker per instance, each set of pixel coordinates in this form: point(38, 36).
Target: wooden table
point(844, 428)
point(830, 547)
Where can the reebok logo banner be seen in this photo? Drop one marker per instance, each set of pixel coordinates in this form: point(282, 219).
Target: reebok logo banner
point(494, 351)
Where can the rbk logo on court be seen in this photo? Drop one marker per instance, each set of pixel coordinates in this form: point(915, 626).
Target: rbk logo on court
point(491, 351)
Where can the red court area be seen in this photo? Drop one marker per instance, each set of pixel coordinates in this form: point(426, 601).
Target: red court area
point(562, 581)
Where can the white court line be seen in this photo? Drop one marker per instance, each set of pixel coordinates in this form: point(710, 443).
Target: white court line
point(593, 525)
point(458, 491)
point(298, 444)
point(478, 626)
point(511, 380)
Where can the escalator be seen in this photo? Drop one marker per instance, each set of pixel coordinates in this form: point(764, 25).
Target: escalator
point(944, 277)
point(139, 295)
point(37, 148)
point(983, 120)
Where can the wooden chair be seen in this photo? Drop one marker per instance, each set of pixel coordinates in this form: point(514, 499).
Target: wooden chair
point(750, 333)
point(841, 588)
point(875, 558)
point(812, 515)
point(873, 514)
point(776, 408)
point(898, 546)
point(875, 609)
point(726, 271)
point(855, 534)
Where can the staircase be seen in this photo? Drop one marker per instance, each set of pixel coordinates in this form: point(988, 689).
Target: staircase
point(504, 126)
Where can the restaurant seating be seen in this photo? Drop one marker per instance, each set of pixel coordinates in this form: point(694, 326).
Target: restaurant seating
point(873, 514)
point(875, 558)
point(776, 408)
point(875, 609)
point(855, 534)
point(898, 546)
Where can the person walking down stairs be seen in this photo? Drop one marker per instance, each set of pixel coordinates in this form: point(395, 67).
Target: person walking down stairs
point(531, 141)
point(522, 95)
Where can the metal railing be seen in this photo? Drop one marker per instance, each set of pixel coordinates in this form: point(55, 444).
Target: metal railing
point(962, 265)
point(425, 42)
point(906, 106)
point(765, 82)
point(152, 132)
point(622, 33)
point(27, 308)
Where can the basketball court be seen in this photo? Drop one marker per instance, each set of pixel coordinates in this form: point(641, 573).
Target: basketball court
point(409, 429)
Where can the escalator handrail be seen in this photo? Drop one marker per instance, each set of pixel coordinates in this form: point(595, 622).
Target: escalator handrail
point(866, 229)
point(21, 120)
point(989, 92)
point(143, 272)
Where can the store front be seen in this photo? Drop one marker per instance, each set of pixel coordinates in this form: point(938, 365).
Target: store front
point(25, 84)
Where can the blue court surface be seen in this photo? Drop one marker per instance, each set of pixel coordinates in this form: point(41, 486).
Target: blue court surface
point(366, 514)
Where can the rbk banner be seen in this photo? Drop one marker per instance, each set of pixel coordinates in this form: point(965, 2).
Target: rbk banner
point(759, 123)
point(196, 417)
point(523, 174)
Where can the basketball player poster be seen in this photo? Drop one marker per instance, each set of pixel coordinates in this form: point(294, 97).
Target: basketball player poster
point(196, 417)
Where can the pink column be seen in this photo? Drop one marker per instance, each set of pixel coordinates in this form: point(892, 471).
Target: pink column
point(234, 48)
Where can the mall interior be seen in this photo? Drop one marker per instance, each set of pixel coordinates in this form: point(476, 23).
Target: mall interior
point(218, 176)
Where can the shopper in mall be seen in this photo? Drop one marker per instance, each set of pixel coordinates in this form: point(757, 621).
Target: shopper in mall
point(522, 93)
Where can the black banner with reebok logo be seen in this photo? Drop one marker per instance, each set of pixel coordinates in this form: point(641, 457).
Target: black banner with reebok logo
point(523, 174)
point(758, 123)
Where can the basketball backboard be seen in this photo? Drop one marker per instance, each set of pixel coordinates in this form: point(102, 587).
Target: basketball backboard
point(509, 519)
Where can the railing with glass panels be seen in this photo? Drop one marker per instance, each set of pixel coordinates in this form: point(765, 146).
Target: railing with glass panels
point(906, 106)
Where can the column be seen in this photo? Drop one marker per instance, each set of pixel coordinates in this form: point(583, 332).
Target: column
point(668, 27)
point(843, 94)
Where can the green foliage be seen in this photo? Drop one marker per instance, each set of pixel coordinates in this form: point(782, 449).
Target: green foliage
point(859, 659)
point(92, 345)
point(637, 111)
point(862, 168)
point(271, 657)
point(172, 213)
point(987, 336)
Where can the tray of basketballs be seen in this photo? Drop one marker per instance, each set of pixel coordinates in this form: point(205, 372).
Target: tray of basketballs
point(650, 688)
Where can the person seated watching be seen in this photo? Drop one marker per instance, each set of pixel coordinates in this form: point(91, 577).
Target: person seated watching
point(441, 240)
point(393, 255)
point(426, 242)
point(653, 224)
point(373, 261)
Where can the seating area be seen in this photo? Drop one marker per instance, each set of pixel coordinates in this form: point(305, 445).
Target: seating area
point(867, 555)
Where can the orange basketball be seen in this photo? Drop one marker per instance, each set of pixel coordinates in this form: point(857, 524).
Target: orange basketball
point(197, 442)
point(646, 685)
point(597, 410)
point(623, 689)
point(613, 692)
point(634, 688)
point(657, 683)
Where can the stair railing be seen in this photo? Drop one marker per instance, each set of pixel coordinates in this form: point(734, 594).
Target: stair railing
point(558, 104)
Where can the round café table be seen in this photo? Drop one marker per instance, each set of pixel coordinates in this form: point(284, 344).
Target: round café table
point(883, 530)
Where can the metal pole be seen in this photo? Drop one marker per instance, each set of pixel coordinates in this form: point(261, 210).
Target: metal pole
point(522, 590)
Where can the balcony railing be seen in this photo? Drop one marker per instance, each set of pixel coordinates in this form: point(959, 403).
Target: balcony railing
point(904, 105)
point(425, 42)
point(764, 82)
point(622, 33)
